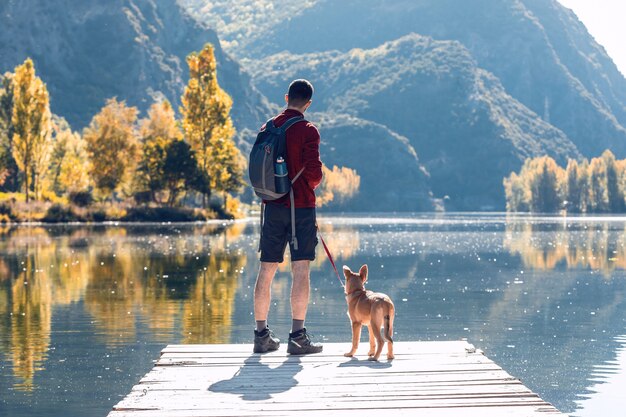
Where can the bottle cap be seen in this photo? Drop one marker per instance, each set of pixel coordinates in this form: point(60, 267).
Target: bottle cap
point(280, 159)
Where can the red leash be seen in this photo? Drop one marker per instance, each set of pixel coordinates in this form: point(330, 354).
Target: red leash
point(330, 258)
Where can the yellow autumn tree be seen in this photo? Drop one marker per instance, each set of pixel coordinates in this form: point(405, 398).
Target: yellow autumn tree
point(545, 179)
point(208, 127)
point(597, 186)
point(112, 146)
point(32, 127)
point(338, 185)
point(517, 193)
point(69, 168)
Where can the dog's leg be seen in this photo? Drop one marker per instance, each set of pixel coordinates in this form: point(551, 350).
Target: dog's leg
point(376, 324)
point(370, 330)
point(356, 335)
point(390, 351)
point(389, 332)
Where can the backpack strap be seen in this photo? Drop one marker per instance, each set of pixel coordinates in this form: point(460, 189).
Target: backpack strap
point(294, 239)
point(282, 131)
point(270, 127)
point(290, 122)
point(262, 221)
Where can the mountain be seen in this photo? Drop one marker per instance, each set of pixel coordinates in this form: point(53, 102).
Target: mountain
point(90, 50)
point(468, 132)
point(472, 87)
point(541, 53)
point(392, 177)
point(240, 22)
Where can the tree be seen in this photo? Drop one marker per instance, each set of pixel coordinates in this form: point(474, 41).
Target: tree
point(598, 189)
point(517, 193)
point(584, 184)
point(157, 132)
point(574, 187)
point(544, 182)
point(69, 168)
point(207, 124)
point(181, 171)
point(32, 127)
point(338, 185)
point(112, 146)
point(8, 168)
point(615, 194)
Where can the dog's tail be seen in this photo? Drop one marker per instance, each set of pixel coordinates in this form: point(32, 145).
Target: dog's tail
point(389, 315)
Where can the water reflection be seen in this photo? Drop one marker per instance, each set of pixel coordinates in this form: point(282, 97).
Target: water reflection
point(598, 246)
point(545, 298)
point(167, 281)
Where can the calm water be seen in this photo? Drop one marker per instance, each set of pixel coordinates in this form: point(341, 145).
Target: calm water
point(84, 311)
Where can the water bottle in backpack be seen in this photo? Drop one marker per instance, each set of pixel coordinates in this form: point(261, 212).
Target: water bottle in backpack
point(281, 179)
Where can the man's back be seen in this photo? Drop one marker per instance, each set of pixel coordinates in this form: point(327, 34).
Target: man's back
point(303, 141)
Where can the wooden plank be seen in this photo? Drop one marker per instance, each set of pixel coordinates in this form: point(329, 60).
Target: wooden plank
point(514, 384)
point(501, 411)
point(443, 347)
point(307, 400)
point(210, 407)
point(437, 379)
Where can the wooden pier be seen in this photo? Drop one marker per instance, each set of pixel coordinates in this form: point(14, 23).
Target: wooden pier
point(426, 379)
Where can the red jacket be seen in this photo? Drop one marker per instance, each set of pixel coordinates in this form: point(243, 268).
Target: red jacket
point(303, 150)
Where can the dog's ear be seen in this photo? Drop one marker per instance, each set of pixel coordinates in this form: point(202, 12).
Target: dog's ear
point(363, 273)
point(346, 271)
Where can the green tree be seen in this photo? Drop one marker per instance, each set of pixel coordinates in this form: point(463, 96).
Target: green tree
point(157, 132)
point(112, 146)
point(598, 186)
point(615, 193)
point(574, 187)
point(8, 167)
point(181, 171)
point(32, 126)
point(208, 126)
point(544, 182)
point(585, 187)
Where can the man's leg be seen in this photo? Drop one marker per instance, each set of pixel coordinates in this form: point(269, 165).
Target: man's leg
point(264, 340)
point(263, 290)
point(300, 290)
point(299, 341)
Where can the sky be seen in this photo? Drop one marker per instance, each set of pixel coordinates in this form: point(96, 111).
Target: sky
point(605, 21)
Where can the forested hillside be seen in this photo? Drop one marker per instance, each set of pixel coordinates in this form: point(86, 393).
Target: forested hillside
point(91, 50)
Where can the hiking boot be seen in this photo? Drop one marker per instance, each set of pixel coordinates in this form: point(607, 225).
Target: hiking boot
point(265, 341)
point(300, 344)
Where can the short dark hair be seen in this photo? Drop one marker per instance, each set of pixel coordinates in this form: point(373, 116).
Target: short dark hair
point(300, 92)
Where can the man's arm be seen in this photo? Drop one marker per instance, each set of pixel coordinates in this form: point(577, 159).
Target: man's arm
point(311, 157)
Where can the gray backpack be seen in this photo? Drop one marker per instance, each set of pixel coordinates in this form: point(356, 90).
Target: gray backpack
point(270, 145)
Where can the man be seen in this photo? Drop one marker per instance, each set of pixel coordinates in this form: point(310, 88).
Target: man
point(303, 144)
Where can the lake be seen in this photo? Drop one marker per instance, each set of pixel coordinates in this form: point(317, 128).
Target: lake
point(85, 310)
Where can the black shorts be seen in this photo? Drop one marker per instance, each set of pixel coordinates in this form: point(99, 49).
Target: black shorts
point(276, 234)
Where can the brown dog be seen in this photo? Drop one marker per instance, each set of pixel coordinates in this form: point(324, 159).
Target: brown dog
point(369, 308)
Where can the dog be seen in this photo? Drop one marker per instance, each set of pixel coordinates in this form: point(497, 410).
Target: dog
point(372, 309)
